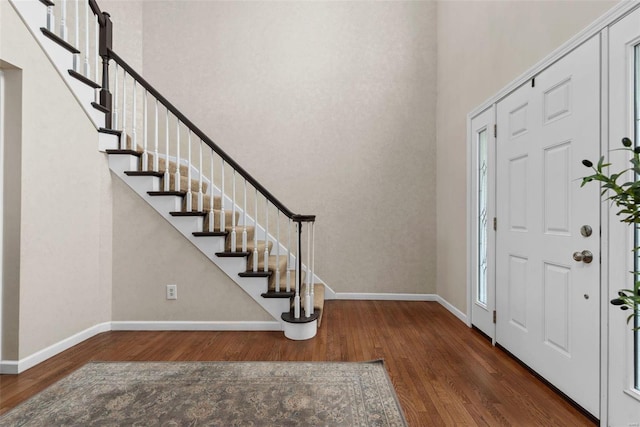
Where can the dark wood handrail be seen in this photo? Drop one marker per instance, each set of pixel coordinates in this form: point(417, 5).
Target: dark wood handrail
point(122, 63)
point(96, 11)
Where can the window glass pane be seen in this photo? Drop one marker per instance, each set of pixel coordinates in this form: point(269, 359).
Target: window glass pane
point(482, 217)
point(637, 231)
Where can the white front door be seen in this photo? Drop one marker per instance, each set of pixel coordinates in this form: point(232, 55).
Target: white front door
point(547, 301)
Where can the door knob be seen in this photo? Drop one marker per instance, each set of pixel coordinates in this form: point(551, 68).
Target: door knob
point(584, 256)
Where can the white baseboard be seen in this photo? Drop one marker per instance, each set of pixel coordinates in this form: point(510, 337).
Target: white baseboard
point(456, 312)
point(195, 326)
point(403, 297)
point(16, 367)
point(385, 296)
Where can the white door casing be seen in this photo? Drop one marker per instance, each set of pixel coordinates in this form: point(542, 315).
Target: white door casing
point(482, 257)
point(624, 399)
point(548, 303)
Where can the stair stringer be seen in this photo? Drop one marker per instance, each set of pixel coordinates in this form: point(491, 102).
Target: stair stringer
point(209, 245)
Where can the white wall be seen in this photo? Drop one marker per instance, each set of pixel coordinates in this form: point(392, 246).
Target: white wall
point(482, 47)
point(65, 204)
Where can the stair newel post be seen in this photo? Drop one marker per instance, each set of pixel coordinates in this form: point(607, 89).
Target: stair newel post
point(51, 20)
point(63, 20)
point(177, 173)
point(145, 133)
point(278, 250)
point(244, 214)
point(200, 192)
point(76, 40)
point(255, 235)
point(298, 270)
point(105, 44)
point(289, 255)
point(307, 295)
point(156, 161)
point(212, 214)
point(310, 275)
point(233, 212)
point(87, 36)
point(167, 174)
point(189, 195)
point(266, 235)
point(222, 201)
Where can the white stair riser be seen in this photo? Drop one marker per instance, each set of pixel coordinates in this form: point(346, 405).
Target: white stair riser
point(121, 163)
point(107, 141)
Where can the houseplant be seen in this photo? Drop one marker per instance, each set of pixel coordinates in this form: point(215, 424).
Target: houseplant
point(626, 198)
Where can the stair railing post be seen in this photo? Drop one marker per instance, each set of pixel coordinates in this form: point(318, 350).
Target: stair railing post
point(298, 270)
point(310, 279)
point(106, 43)
point(307, 294)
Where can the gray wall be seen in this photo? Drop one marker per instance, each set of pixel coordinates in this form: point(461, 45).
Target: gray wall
point(332, 106)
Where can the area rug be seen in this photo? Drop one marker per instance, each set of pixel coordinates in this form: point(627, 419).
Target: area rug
point(216, 394)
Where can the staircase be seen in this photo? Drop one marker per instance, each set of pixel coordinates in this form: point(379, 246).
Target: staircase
point(265, 248)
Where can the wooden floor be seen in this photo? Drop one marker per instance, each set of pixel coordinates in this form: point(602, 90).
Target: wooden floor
point(444, 373)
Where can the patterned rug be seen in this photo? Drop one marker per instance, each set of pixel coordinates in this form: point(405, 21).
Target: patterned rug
point(216, 394)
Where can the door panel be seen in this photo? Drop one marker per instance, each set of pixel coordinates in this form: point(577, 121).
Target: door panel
point(547, 303)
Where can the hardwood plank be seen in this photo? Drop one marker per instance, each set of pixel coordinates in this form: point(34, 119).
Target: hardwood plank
point(445, 374)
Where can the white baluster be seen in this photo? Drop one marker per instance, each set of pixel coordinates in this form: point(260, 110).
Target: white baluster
point(311, 279)
point(233, 212)
point(200, 192)
point(134, 117)
point(289, 256)
point(266, 237)
point(296, 299)
point(177, 174)
point(156, 164)
point(211, 186)
point(167, 174)
point(255, 236)
point(115, 115)
point(244, 221)
point(145, 134)
point(307, 296)
point(63, 20)
point(278, 250)
point(96, 36)
point(51, 20)
point(222, 218)
point(124, 110)
point(87, 68)
point(76, 41)
point(189, 194)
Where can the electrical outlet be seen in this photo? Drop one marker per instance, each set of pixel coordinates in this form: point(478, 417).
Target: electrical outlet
point(172, 291)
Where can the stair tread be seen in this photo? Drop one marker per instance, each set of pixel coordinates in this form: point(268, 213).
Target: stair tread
point(209, 233)
point(118, 151)
point(142, 173)
point(84, 79)
point(232, 254)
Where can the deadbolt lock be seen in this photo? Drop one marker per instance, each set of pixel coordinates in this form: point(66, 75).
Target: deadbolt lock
point(586, 230)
